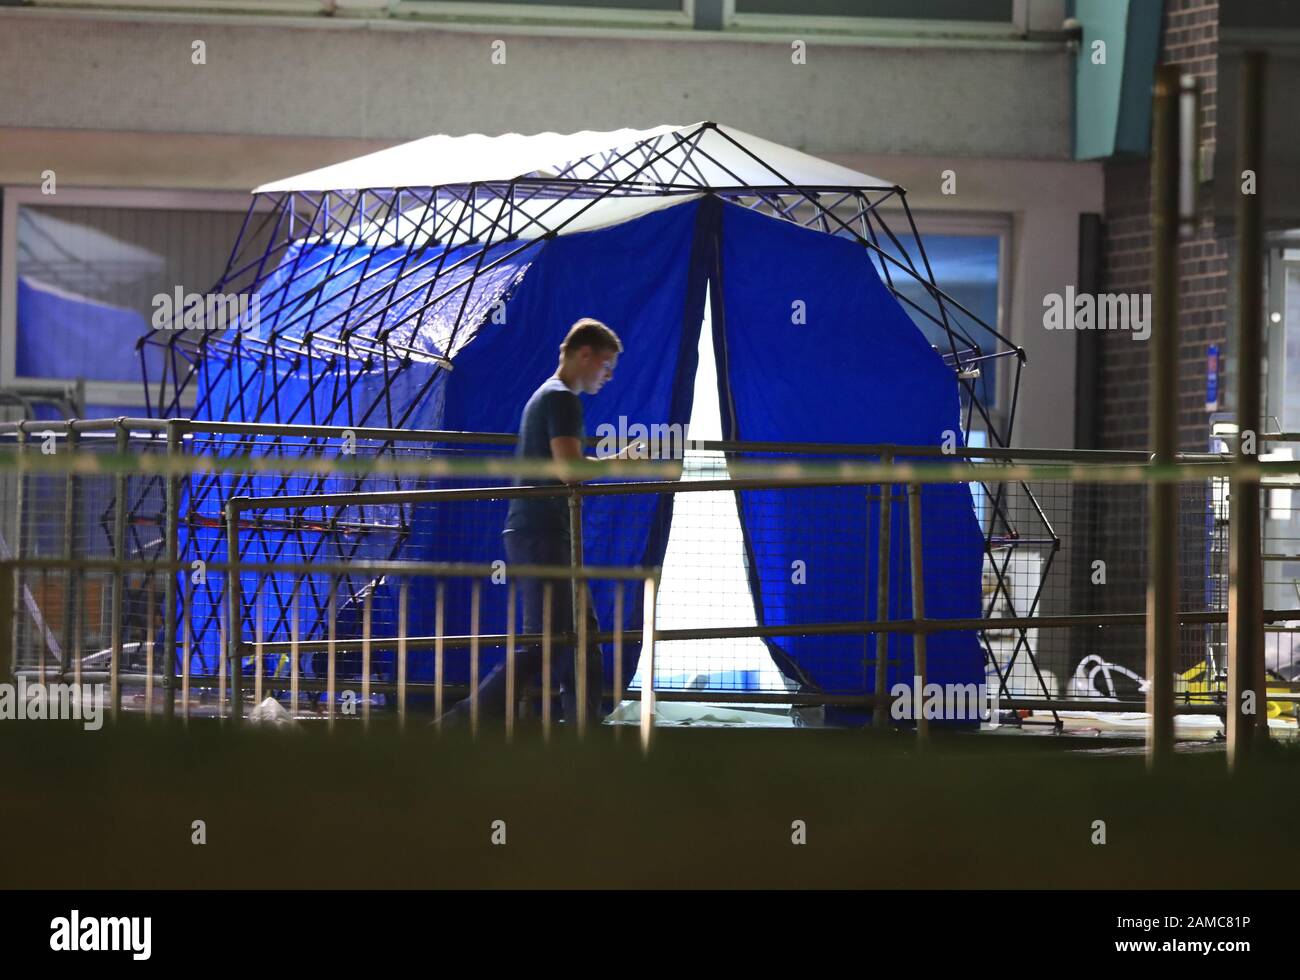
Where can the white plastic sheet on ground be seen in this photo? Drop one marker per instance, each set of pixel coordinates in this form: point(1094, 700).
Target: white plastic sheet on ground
point(689, 714)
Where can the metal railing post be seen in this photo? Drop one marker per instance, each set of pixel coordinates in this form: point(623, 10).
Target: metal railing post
point(1246, 675)
point(234, 616)
point(881, 715)
point(9, 656)
point(20, 546)
point(70, 513)
point(1162, 571)
point(121, 488)
point(171, 547)
point(548, 601)
point(918, 605)
point(648, 666)
point(578, 612)
point(512, 697)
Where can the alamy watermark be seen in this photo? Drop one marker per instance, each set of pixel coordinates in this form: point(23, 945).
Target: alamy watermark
point(661, 440)
point(53, 702)
point(1100, 311)
point(942, 702)
point(179, 310)
point(75, 932)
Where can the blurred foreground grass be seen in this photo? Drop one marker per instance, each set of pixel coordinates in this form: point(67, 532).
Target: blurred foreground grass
point(705, 809)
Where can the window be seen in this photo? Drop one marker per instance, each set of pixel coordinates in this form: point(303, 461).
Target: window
point(967, 255)
point(81, 274)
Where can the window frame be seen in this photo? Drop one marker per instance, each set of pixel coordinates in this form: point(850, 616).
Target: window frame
point(124, 393)
point(314, 8)
point(868, 25)
point(973, 224)
point(479, 11)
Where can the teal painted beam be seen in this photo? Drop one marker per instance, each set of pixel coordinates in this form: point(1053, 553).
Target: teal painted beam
point(1113, 76)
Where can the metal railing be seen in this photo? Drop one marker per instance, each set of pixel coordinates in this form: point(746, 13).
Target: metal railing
point(1031, 620)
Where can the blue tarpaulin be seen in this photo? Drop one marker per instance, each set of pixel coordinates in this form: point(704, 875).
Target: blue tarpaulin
point(812, 347)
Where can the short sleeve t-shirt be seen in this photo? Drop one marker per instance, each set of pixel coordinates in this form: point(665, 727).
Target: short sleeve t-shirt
point(551, 412)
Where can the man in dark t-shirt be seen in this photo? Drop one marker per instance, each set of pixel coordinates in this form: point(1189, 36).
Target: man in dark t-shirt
point(537, 528)
point(554, 411)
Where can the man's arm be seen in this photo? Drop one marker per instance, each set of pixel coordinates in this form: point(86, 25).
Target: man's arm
point(569, 448)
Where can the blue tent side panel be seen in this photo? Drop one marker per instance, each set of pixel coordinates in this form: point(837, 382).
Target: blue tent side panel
point(63, 335)
point(324, 289)
point(644, 278)
point(813, 347)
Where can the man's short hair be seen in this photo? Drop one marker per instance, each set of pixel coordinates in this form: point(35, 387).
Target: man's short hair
point(591, 333)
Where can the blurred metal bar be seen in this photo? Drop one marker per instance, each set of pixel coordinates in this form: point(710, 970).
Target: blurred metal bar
point(1247, 724)
point(359, 566)
point(918, 603)
point(332, 654)
point(438, 623)
point(258, 637)
point(9, 654)
point(19, 549)
point(71, 511)
point(580, 659)
point(120, 489)
point(403, 604)
point(1189, 138)
point(369, 433)
point(618, 649)
point(476, 599)
point(148, 647)
point(187, 625)
point(548, 592)
point(841, 628)
point(78, 614)
point(171, 542)
point(295, 634)
point(880, 718)
point(577, 611)
point(1162, 581)
point(512, 695)
point(45, 590)
point(221, 665)
point(648, 667)
point(367, 617)
point(234, 613)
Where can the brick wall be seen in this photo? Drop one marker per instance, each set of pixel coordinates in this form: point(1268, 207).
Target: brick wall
point(1190, 40)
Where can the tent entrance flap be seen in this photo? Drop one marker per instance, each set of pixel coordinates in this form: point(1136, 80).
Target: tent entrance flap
point(813, 347)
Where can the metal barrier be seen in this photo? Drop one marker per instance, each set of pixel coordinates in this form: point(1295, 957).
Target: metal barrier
point(1042, 611)
point(231, 684)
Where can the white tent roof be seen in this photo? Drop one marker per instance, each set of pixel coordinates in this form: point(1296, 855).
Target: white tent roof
point(438, 161)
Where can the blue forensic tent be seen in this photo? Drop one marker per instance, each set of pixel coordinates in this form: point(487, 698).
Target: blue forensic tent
point(854, 370)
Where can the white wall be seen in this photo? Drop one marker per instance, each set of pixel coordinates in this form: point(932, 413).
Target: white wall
point(112, 100)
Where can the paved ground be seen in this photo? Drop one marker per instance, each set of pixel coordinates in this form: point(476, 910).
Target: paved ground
point(704, 808)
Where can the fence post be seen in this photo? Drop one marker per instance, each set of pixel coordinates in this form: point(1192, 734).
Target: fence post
point(70, 513)
point(234, 617)
point(577, 611)
point(918, 605)
point(648, 663)
point(881, 713)
point(171, 547)
point(1245, 586)
point(1162, 570)
point(20, 516)
point(120, 491)
point(8, 656)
